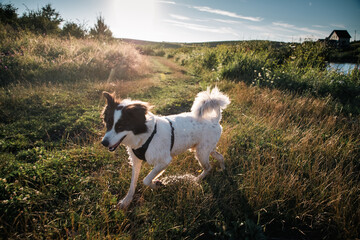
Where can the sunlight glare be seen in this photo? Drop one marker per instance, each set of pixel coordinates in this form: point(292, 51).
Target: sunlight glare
point(131, 16)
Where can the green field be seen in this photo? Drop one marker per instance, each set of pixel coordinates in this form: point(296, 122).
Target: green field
point(290, 141)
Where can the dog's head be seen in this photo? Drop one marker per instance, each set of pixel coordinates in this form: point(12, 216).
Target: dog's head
point(122, 119)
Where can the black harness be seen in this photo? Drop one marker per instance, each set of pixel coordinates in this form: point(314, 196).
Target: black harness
point(140, 152)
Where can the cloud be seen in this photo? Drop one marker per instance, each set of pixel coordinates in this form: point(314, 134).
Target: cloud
point(319, 26)
point(167, 2)
point(288, 27)
point(201, 28)
point(226, 13)
point(338, 25)
point(227, 21)
point(179, 17)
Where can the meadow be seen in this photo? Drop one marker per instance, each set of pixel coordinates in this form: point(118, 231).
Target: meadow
point(290, 141)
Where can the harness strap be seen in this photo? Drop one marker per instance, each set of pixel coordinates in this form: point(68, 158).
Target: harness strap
point(140, 152)
point(172, 134)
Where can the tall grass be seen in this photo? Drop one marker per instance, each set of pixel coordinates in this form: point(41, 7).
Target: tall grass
point(296, 161)
point(299, 68)
point(38, 59)
point(51, 166)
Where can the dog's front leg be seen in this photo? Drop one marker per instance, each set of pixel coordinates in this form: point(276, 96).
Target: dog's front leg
point(136, 166)
point(155, 173)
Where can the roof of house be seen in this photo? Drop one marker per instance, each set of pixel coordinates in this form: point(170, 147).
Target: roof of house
point(341, 33)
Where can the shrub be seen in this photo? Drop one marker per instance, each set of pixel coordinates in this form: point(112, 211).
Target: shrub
point(74, 30)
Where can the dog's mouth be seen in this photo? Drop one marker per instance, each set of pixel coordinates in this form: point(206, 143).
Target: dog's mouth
point(111, 149)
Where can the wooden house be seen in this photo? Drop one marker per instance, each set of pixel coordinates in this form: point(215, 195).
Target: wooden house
point(339, 38)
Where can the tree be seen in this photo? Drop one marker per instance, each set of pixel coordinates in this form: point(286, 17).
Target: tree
point(44, 21)
point(101, 30)
point(8, 15)
point(74, 30)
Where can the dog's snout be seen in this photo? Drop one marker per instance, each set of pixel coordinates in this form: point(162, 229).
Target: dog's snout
point(105, 142)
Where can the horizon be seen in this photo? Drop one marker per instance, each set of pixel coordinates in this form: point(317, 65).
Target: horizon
point(186, 21)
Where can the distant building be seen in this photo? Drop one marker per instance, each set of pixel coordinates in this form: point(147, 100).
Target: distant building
point(338, 38)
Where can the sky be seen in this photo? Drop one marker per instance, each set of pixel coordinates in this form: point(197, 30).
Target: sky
point(211, 20)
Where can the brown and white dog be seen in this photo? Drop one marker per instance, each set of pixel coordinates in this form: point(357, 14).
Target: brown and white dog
point(156, 139)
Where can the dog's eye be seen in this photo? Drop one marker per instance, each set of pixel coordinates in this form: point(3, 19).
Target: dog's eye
point(119, 127)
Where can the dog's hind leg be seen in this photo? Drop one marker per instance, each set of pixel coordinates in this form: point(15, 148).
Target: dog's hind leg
point(136, 166)
point(218, 157)
point(203, 158)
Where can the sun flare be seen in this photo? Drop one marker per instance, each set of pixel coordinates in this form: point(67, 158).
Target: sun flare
point(130, 16)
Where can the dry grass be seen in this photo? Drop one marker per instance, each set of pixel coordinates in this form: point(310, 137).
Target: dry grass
point(38, 59)
point(299, 160)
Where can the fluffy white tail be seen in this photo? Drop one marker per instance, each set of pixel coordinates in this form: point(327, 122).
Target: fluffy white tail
point(209, 104)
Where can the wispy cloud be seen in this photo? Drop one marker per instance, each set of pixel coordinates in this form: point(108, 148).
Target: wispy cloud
point(226, 21)
point(179, 17)
point(226, 13)
point(167, 2)
point(202, 28)
point(288, 27)
point(319, 26)
point(338, 25)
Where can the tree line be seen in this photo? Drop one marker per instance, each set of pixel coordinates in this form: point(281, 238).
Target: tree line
point(47, 21)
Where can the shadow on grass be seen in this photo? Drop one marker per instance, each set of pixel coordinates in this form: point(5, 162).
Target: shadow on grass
point(183, 208)
point(232, 207)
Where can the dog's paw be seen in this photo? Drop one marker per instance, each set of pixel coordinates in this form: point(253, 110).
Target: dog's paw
point(123, 204)
point(156, 184)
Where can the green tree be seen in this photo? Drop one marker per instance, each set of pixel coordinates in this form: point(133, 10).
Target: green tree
point(8, 15)
point(44, 21)
point(74, 30)
point(101, 30)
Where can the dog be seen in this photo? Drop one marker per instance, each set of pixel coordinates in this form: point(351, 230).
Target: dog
point(156, 139)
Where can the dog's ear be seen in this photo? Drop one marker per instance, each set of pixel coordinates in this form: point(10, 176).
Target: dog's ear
point(137, 110)
point(136, 114)
point(109, 98)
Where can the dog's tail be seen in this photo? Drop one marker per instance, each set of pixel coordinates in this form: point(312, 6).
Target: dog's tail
point(209, 104)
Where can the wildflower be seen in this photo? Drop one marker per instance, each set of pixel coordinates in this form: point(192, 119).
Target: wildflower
point(6, 67)
point(5, 201)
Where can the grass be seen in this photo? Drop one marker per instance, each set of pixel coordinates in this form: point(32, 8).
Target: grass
point(297, 160)
point(300, 68)
point(291, 157)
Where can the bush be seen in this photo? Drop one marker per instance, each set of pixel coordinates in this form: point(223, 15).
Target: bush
point(296, 67)
point(74, 30)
